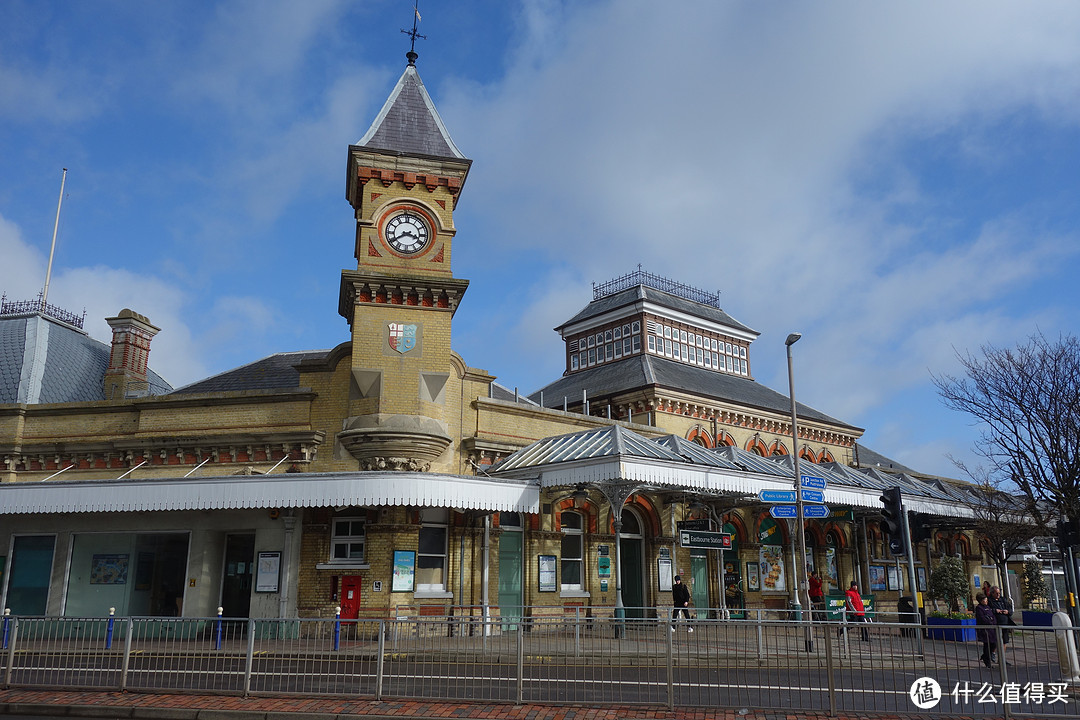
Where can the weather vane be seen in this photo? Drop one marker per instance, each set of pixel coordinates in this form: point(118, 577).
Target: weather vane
point(413, 34)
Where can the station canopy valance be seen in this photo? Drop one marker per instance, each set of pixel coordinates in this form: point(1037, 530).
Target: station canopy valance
point(283, 490)
point(614, 453)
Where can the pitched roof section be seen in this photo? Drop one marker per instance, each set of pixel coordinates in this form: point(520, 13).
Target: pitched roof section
point(274, 372)
point(409, 124)
point(607, 442)
point(644, 293)
point(586, 458)
point(646, 370)
point(46, 361)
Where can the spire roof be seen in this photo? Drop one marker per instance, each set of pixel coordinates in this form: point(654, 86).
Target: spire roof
point(409, 123)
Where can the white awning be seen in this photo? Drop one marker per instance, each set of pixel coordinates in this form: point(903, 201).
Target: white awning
point(659, 474)
point(284, 490)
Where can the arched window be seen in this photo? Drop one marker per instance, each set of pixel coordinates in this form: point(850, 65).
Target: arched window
point(777, 449)
point(757, 446)
point(826, 456)
point(808, 455)
point(573, 550)
point(724, 439)
point(699, 435)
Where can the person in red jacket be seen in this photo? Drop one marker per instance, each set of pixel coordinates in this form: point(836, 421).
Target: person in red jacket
point(817, 597)
point(856, 612)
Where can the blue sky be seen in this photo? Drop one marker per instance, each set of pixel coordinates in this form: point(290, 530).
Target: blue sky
point(897, 181)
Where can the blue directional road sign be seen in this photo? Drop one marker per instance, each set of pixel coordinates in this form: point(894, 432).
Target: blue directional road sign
point(789, 511)
point(812, 481)
point(776, 496)
point(812, 496)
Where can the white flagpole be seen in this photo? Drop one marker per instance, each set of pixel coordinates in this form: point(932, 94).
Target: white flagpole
point(52, 250)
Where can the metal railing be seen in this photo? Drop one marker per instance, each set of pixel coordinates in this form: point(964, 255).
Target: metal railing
point(750, 663)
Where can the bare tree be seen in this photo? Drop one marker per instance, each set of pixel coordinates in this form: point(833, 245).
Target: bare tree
point(1027, 401)
point(1006, 522)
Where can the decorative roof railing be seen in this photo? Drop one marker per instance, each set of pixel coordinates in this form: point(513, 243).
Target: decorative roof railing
point(640, 277)
point(29, 307)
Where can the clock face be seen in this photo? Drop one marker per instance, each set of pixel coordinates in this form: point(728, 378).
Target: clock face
point(407, 233)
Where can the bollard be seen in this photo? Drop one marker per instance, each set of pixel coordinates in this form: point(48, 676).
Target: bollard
point(1070, 665)
point(217, 633)
point(7, 626)
point(337, 627)
point(109, 629)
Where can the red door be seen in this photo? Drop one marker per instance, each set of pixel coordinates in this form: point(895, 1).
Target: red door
point(350, 596)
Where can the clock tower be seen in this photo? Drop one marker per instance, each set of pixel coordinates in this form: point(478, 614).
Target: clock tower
point(404, 178)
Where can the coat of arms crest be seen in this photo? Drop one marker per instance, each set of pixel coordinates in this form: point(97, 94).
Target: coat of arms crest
point(402, 337)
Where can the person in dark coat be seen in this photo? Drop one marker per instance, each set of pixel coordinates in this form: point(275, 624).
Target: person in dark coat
point(986, 627)
point(1003, 612)
point(680, 598)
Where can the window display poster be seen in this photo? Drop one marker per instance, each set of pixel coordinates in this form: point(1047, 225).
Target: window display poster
point(109, 570)
point(771, 563)
point(877, 578)
point(920, 578)
point(664, 574)
point(830, 569)
point(404, 575)
point(894, 577)
point(753, 579)
point(546, 578)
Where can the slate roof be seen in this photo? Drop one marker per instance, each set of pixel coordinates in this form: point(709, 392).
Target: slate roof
point(868, 458)
point(408, 123)
point(274, 372)
point(43, 360)
point(640, 293)
point(645, 370)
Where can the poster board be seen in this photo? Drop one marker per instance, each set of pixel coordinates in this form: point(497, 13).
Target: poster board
point(268, 572)
point(404, 571)
point(546, 577)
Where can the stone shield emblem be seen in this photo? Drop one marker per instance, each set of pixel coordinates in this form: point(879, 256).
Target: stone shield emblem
point(402, 337)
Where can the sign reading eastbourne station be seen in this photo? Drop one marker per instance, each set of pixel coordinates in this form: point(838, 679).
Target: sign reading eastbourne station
point(705, 540)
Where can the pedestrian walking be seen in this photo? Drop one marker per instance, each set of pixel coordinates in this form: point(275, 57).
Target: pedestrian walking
point(1003, 614)
point(680, 597)
point(855, 611)
point(986, 628)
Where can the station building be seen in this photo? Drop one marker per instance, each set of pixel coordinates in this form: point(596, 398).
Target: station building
point(387, 476)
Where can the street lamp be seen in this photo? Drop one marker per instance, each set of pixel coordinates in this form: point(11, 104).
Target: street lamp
point(800, 568)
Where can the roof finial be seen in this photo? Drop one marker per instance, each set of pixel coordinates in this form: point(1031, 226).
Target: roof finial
point(413, 34)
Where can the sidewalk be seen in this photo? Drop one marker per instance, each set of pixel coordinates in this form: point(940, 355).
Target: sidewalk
point(140, 706)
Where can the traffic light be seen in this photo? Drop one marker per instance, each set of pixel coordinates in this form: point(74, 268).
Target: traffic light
point(893, 522)
point(919, 524)
point(1068, 534)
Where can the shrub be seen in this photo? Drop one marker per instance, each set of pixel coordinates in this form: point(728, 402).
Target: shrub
point(948, 582)
point(1033, 582)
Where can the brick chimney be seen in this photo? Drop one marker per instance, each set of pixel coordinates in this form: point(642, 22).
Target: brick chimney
point(126, 375)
